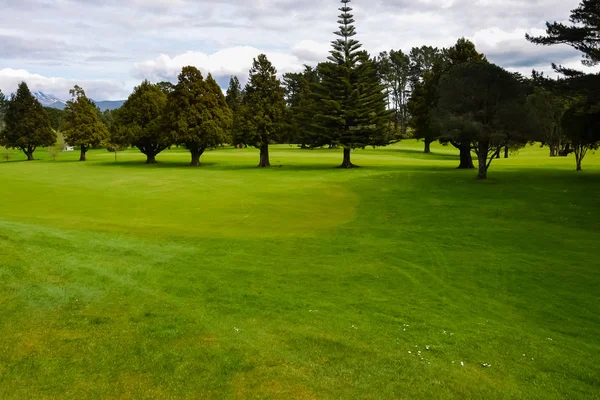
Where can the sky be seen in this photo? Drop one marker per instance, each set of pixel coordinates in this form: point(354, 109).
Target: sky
point(110, 46)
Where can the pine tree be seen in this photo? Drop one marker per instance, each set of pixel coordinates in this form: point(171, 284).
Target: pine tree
point(139, 122)
point(234, 97)
point(197, 115)
point(263, 108)
point(351, 101)
point(27, 125)
point(81, 123)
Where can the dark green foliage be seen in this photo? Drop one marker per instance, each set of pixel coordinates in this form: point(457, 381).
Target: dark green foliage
point(546, 110)
point(395, 72)
point(425, 95)
point(234, 96)
point(300, 106)
point(422, 60)
point(351, 101)
point(263, 108)
point(27, 125)
point(583, 34)
point(82, 126)
point(138, 122)
point(56, 117)
point(166, 86)
point(581, 125)
point(486, 105)
point(197, 115)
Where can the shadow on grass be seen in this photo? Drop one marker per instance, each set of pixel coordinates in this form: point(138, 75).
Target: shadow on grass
point(419, 154)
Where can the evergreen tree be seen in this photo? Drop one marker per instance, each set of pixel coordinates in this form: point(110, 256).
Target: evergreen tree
point(234, 97)
point(351, 101)
point(581, 125)
point(197, 113)
point(56, 117)
point(395, 72)
point(300, 105)
point(27, 125)
point(263, 108)
point(81, 123)
point(138, 122)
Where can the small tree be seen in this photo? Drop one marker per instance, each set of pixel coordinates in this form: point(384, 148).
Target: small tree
point(546, 112)
point(263, 108)
point(81, 123)
point(27, 125)
point(486, 105)
point(58, 147)
point(139, 121)
point(197, 114)
point(581, 124)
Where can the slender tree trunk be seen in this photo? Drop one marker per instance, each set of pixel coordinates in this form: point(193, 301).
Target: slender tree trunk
point(347, 163)
point(264, 157)
point(506, 152)
point(466, 159)
point(427, 147)
point(84, 150)
point(482, 158)
point(150, 158)
point(196, 153)
point(498, 154)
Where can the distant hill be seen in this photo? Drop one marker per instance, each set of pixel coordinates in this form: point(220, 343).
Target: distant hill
point(48, 100)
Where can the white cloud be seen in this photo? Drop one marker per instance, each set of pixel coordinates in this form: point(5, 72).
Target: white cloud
point(97, 89)
point(224, 63)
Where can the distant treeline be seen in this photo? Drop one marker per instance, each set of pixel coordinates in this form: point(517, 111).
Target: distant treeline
point(351, 100)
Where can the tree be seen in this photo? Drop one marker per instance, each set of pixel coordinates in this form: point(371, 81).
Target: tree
point(197, 114)
point(484, 104)
point(27, 125)
point(395, 71)
point(300, 105)
point(263, 108)
point(581, 124)
point(166, 87)
point(234, 96)
point(546, 112)
point(583, 35)
point(82, 126)
point(351, 101)
point(56, 117)
point(138, 122)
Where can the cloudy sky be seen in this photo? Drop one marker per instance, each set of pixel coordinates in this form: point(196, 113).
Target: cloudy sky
point(109, 46)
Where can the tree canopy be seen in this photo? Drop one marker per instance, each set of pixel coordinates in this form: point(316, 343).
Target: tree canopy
point(139, 121)
point(27, 125)
point(81, 125)
point(197, 114)
point(486, 105)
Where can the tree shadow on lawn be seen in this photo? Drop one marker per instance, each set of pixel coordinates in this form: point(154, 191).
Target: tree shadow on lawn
point(419, 154)
point(215, 166)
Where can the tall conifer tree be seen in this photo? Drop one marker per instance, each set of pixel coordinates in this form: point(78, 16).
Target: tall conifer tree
point(27, 125)
point(351, 108)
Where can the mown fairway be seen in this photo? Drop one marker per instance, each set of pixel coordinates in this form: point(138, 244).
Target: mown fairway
point(126, 280)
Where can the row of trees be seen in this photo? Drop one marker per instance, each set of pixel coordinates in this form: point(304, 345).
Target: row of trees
point(351, 100)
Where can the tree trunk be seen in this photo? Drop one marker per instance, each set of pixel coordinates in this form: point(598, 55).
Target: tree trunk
point(29, 155)
point(150, 158)
point(579, 164)
point(506, 152)
point(196, 154)
point(482, 157)
point(498, 154)
point(466, 159)
point(427, 147)
point(347, 163)
point(264, 157)
point(83, 153)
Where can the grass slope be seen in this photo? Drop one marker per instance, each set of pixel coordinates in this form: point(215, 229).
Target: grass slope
point(125, 280)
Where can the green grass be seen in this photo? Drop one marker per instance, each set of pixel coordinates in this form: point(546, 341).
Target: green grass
point(126, 280)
